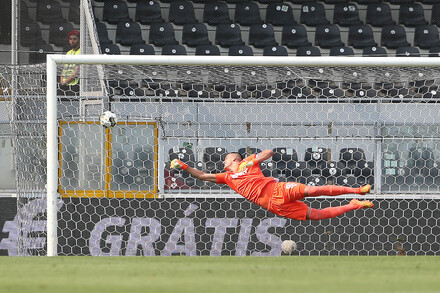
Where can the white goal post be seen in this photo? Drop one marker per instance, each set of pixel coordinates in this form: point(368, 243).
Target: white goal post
point(53, 61)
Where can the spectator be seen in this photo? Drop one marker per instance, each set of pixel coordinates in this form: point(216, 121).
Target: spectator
point(69, 80)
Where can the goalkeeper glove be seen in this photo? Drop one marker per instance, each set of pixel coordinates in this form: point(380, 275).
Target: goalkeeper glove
point(178, 164)
point(251, 163)
point(246, 165)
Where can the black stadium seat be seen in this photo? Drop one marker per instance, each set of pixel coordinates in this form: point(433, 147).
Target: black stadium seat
point(435, 15)
point(247, 13)
point(262, 35)
point(58, 33)
point(215, 13)
point(31, 34)
point(142, 49)
point(162, 34)
point(240, 51)
point(115, 11)
point(110, 49)
point(394, 36)
point(102, 32)
point(379, 14)
point(279, 14)
point(212, 50)
point(49, 11)
point(173, 50)
point(374, 52)
point(148, 12)
point(308, 51)
point(346, 14)
point(313, 14)
point(194, 35)
point(361, 36)
point(275, 51)
point(213, 158)
point(294, 36)
point(328, 36)
point(426, 36)
point(38, 53)
point(227, 35)
point(129, 33)
point(407, 52)
point(341, 51)
point(412, 14)
point(182, 12)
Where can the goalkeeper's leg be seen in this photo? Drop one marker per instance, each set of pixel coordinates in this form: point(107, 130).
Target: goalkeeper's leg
point(334, 190)
point(331, 212)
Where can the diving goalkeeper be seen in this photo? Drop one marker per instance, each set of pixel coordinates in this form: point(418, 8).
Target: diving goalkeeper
point(282, 198)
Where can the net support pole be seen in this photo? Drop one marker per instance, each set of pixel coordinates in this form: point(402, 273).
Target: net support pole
point(52, 157)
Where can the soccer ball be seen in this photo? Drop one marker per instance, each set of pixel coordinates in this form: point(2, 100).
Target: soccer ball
point(108, 119)
point(288, 246)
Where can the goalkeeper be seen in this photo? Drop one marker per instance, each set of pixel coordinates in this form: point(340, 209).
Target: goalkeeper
point(282, 198)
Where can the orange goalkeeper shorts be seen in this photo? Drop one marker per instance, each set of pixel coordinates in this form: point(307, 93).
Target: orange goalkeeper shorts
point(285, 200)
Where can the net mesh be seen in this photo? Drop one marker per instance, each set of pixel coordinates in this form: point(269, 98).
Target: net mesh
point(327, 125)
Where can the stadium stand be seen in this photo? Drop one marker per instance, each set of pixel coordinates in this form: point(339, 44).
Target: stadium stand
point(115, 11)
point(279, 14)
point(247, 14)
point(148, 12)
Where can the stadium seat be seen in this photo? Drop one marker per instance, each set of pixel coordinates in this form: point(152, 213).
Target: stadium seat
point(262, 35)
point(308, 51)
point(398, 2)
point(182, 12)
point(279, 14)
point(215, 13)
point(142, 49)
point(294, 36)
point(25, 19)
point(426, 36)
point(350, 159)
point(240, 51)
point(194, 35)
point(412, 14)
point(283, 157)
point(247, 13)
point(110, 49)
point(74, 13)
point(31, 34)
point(346, 14)
point(213, 158)
point(394, 36)
point(162, 34)
point(38, 53)
point(328, 36)
point(102, 32)
point(407, 52)
point(379, 14)
point(275, 51)
point(115, 11)
point(435, 14)
point(227, 35)
point(316, 158)
point(374, 52)
point(236, 1)
point(173, 50)
point(361, 36)
point(129, 33)
point(313, 14)
point(49, 11)
point(148, 12)
point(341, 51)
point(58, 33)
point(434, 52)
point(212, 50)
point(429, 1)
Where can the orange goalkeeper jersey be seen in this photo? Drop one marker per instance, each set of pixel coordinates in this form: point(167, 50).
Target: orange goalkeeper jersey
point(249, 183)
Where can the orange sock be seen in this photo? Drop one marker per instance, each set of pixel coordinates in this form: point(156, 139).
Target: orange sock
point(330, 190)
point(331, 212)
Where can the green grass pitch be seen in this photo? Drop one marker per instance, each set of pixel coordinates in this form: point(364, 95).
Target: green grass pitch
point(221, 274)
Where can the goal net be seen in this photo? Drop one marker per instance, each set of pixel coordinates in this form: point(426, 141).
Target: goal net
point(342, 121)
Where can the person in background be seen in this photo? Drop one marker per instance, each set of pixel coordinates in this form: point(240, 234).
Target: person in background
point(69, 80)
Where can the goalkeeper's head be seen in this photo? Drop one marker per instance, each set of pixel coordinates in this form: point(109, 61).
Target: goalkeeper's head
point(232, 161)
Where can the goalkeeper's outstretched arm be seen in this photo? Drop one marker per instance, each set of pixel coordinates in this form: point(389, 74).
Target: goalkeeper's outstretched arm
point(176, 163)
